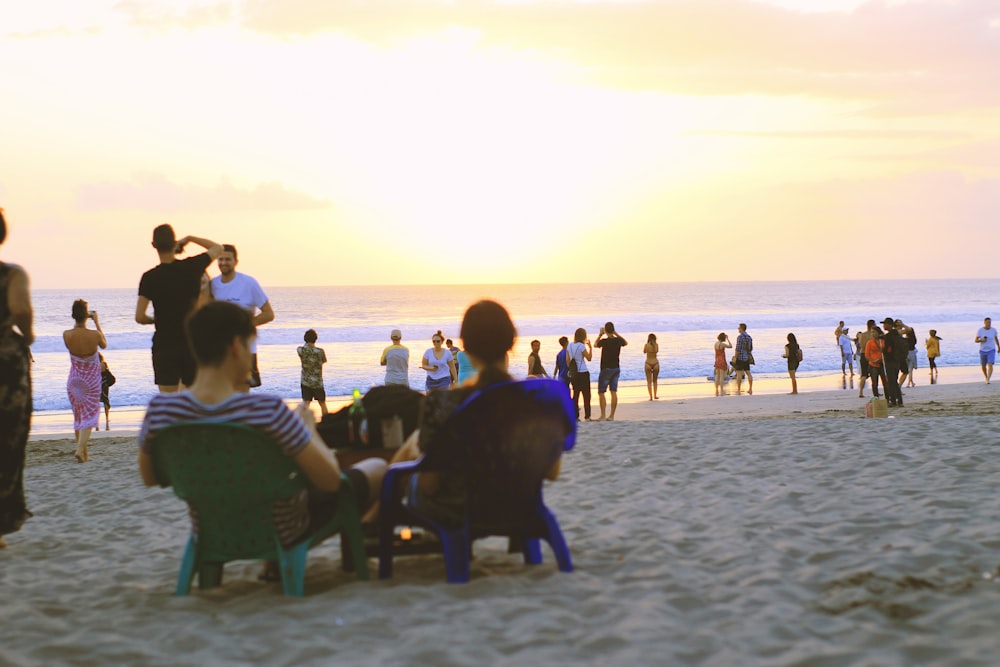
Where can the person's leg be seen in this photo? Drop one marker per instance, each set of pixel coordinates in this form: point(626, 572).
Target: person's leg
point(586, 395)
point(602, 400)
point(982, 364)
point(739, 380)
point(749, 383)
point(718, 381)
point(613, 387)
point(81, 446)
point(795, 387)
point(656, 380)
point(649, 380)
point(107, 416)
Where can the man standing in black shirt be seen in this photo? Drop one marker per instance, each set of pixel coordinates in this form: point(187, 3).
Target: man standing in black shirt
point(172, 287)
point(611, 345)
point(893, 358)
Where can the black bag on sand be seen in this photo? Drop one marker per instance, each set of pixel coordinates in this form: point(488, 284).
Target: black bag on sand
point(380, 403)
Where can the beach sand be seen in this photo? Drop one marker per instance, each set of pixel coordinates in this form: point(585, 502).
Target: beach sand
point(744, 530)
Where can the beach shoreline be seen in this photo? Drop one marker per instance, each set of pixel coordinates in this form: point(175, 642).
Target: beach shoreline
point(53, 425)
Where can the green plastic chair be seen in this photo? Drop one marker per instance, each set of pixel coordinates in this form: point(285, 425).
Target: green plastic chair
point(232, 474)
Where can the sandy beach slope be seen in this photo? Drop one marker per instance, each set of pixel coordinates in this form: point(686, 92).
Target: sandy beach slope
point(794, 532)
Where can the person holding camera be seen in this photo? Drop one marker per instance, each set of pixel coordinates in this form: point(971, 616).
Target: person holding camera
point(173, 287)
point(84, 383)
point(611, 345)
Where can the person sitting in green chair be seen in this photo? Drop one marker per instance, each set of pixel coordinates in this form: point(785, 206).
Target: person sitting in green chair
point(221, 336)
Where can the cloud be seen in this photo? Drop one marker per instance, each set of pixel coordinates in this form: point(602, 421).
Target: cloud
point(176, 14)
point(153, 192)
point(944, 53)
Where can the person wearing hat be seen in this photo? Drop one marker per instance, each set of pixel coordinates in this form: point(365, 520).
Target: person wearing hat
point(933, 352)
point(396, 359)
point(846, 352)
point(894, 350)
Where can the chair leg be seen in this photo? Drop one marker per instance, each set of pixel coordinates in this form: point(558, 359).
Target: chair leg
point(557, 542)
point(293, 569)
point(209, 575)
point(457, 555)
point(532, 550)
point(186, 575)
point(385, 530)
point(350, 535)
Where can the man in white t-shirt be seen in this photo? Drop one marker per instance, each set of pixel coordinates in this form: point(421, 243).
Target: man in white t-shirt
point(245, 292)
point(846, 351)
point(987, 339)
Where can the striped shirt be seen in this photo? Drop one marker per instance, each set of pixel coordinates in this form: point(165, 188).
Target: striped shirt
point(260, 411)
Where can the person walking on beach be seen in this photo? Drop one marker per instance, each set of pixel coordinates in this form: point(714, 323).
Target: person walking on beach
point(611, 345)
point(84, 383)
point(396, 359)
point(561, 370)
point(651, 365)
point(721, 365)
point(439, 364)
point(221, 335)
point(933, 345)
point(987, 338)
point(743, 359)
point(535, 367)
point(245, 292)
point(894, 351)
point(579, 352)
point(860, 345)
point(311, 381)
point(107, 380)
point(172, 287)
point(846, 352)
point(873, 353)
point(16, 335)
point(794, 355)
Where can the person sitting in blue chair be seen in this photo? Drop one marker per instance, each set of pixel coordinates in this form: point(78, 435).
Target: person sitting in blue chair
point(221, 337)
point(488, 335)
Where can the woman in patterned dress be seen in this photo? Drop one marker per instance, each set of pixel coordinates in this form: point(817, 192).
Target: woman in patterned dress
point(84, 383)
point(15, 391)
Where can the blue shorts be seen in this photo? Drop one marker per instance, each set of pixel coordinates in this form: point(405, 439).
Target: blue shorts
point(440, 383)
point(987, 357)
point(608, 378)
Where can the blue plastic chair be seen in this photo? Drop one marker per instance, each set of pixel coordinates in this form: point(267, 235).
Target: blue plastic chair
point(232, 474)
point(502, 440)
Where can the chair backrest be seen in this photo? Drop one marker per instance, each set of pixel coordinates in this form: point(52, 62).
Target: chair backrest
point(503, 440)
point(231, 475)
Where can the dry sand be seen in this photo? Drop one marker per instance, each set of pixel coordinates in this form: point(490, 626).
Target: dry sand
point(763, 530)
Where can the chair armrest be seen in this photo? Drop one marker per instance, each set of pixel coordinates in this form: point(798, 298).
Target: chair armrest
point(391, 480)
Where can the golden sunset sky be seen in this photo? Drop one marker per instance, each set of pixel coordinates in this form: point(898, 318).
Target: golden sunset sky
point(407, 141)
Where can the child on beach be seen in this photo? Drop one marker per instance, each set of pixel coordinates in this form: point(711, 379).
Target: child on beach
point(933, 352)
point(312, 359)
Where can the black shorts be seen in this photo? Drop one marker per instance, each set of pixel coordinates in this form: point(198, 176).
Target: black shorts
point(309, 393)
point(173, 364)
point(741, 365)
point(864, 364)
point(323, 504)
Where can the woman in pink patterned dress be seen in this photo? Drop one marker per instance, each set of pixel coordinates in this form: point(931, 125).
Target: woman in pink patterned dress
point(84, 383)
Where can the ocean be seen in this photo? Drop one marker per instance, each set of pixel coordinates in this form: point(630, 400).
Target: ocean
point(353, 324)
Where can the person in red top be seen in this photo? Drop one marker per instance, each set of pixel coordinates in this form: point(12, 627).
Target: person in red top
point(873, 354)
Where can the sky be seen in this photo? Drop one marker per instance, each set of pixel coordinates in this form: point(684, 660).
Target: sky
point(427, 142)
